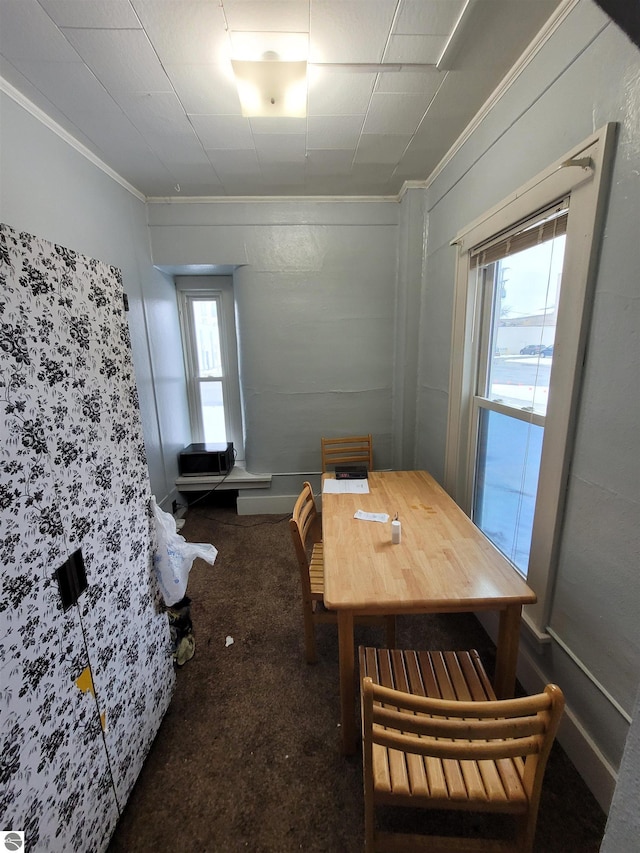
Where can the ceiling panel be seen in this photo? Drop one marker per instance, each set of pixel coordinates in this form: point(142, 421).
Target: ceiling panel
point(430, 17)
point(146, 85)
point(400, 112)
point(381, 148)
point(27, 32)
point(117, 14)
point(334, 131)
point(336, 93)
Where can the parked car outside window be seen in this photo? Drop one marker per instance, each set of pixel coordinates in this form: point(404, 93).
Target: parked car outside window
point(532, 349)
point(547, 351)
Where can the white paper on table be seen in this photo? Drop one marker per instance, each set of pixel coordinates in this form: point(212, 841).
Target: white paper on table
point(343, 487)
point(371, 516)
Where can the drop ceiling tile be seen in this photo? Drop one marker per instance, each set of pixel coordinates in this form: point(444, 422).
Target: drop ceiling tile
point(329, 162)
point(113, 132)
point(434, 17)
point(180, 148)
point(155, 112)
point(376, 175)
point(229, 163)
point(206, 185)
point(339, 92)
point(116, 14)
point(410, 82)
point(262, 124)
point(418, 164)
point(185, 31)
point(70, 85)
point(393, 113)
point(425, 49)
point(280, 148)
point(123, 60)
point(244, 185)
point(285, 175)
point(349, 30)
point(202, 88)
point(191, 174)
point(334, 185)
point(285, 16)
point(380, 148)
point(223, 131)
point(28, 33)
point(26, 89)
point(334, 131)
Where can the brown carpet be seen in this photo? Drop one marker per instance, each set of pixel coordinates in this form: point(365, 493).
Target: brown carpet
point(248, 756)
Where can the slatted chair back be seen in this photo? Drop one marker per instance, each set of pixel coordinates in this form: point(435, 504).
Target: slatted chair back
point(349, 450)
point(306, 533)
point(473, 753)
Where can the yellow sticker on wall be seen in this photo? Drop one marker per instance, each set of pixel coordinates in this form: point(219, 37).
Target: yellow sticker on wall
point(85, 682)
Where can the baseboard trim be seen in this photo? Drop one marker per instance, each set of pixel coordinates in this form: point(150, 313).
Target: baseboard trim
point(598, 774)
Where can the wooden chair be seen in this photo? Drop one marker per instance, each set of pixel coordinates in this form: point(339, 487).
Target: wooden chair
point(350, 450)
point(306, 533)
point(436, 737)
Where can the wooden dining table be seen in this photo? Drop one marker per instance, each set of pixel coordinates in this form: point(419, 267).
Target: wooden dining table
point(442, 564)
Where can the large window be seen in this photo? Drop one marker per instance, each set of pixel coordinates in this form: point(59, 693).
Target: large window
point(520, 320)
point(211, 366)
point(517, 280)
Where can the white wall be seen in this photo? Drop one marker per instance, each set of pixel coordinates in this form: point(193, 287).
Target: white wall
point(586, 75)
point(51, 190)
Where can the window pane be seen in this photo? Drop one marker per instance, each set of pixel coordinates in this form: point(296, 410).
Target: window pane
point(507, 468)
point(207, 333)
point(213, 423)
point(527, 290)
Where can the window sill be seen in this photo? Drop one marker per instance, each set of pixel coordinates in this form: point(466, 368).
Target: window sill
point(238, 478)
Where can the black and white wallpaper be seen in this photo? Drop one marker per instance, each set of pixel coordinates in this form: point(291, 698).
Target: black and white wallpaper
point(82, 691)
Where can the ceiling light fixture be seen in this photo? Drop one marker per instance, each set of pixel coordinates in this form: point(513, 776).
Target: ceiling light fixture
point(271, 87)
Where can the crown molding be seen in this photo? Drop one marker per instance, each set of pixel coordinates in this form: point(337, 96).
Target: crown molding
point(43, 118)
point(272, 199)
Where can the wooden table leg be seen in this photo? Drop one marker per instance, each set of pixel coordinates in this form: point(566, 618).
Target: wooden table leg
point(507, 651)
point(347, 681)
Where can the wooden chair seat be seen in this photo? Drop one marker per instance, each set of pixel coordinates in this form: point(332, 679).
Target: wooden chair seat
point(307, 540)
point(436, 737)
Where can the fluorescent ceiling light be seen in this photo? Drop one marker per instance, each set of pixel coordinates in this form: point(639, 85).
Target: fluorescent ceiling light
point(271, 87)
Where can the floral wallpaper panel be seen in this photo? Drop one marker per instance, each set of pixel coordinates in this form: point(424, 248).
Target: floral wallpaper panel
point(72, 475)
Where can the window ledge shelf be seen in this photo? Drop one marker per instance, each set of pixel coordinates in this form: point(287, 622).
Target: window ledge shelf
point(238, 478)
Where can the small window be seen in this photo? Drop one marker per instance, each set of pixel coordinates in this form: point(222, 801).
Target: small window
point(207, 320)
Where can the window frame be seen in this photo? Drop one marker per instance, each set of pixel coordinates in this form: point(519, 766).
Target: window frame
point(583, 175)
point(220, 289)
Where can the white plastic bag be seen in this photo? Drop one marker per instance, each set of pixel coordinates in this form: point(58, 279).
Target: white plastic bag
point(174, 556)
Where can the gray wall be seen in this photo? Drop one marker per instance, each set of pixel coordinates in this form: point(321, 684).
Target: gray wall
point(51, 190)
point(315, 290)
point(586, 75)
